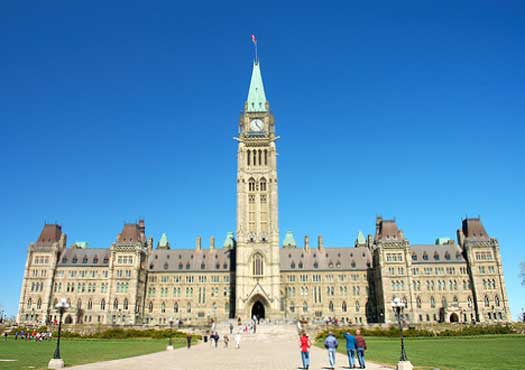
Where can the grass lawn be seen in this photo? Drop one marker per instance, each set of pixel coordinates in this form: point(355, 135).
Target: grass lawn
point(31, 355)
point(502, 352)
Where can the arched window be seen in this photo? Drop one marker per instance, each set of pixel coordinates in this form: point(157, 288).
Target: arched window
point(248, 157)
point(115, 304)
point(38, 303)
point(29, 303)
point(496, 300)
point(443, 301)
point(486, 301)
point(251, 184)
point(260, 157)
point(265, 157)
point(79, 304)
point(163, 307)
point(418, 302)
point(432, 302)
point(469, 302)
point(125, 306)
point(150, 306)
point(305, 307)
point(262, 184)
point(331, 306)
point(258, 265)
point(102, 304)
point(455, 300)
point(357, 306)
point(90, 304)
point(344, 307)
point(188, 307)
point(176, 307)
point(254, 152)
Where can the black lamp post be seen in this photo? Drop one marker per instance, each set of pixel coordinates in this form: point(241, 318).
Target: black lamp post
point(397, 307)
point(170, 343)
point(56, 362)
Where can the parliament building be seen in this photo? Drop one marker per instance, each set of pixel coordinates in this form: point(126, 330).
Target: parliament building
point(254, 272)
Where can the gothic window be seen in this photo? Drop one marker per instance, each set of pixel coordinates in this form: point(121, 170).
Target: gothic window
point(496, 300)
point(469, 302)
point(418, 302)
point(447, 256)
point(432, 302)
point(292, 265)
point(455, 301)
point(251, 184)
point(180, 266)
point(443, 301)
point(436, 256)
point(165, 265)
point(262, 184)
point(316, 265)
point(115, 304)
point(150, 307)
point(343, 307)
point(90, 304)
point(163, 307)
point(176, 307)
point(102, 304)
point(357, 306)
point(305, 307)
point(486, 301)
point(187, 265)
point(265, 157)
point(331, 306)
point(39, 303)
point(85, 260)
point(254, 152)
point(203, 266)
point(258, 265)
point(248, 157)
point(75, 259)
point(425, 256)
point(79, 304)
point(260, 157)
point(188, 307)
point(125, 305)
point(300, 264)
point(414, 257)
point(95, 260)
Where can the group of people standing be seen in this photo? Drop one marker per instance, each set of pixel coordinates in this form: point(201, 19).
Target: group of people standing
point(355, 345)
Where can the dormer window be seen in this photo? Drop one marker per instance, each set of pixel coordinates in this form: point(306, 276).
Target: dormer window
point(64, 260)
point(425, 256)
point(95, 260)
point(187, 266)
point(165, 265)
point(180, 266)
point(447, 256)
point(75, 259)
point(292, 265)
point(85, 260)
point(436, 256)
point(106, 260)
point(316, 265)
point(414, 257)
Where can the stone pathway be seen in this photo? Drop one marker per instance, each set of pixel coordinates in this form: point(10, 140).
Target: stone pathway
point(272, 348)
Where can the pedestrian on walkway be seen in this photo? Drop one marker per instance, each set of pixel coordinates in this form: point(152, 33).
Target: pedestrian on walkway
point(188, 340)
point(331, 345)
point(360, 344)
point(226, 340)
point(231, 328)
point(350, 349)
point(305, 344)
point(238, 337)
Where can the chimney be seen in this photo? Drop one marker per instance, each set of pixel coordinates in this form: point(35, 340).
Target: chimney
point(198, 244)
point(212, 243)
point(306, 243)
point(320, 242)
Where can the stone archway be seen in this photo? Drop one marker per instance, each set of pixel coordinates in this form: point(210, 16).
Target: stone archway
point(68, 320)
point(454, 317)
point(258, 310)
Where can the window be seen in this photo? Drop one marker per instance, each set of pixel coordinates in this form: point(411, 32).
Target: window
point(331, 306)
point(115, 304)
point(418, 302)
point(102, 304)
point(486, 301)
point(251, 184)
point(357, 306)
point(305, 307)
point(258, 265)
point(432, 302)
point(344, 307)
point(125, 306)
point(150, 306)
point(262, 184)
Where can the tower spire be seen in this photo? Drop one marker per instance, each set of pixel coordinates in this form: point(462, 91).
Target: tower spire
point(256, 101)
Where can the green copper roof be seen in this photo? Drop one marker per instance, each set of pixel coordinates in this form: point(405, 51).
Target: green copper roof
point(256, 101)
point(442, 240)
point(229, 242)
point(360, 238)
point(289, 240)
point(163, 242)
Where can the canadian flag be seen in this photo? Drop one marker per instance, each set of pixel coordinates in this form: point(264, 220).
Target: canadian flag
point(254, 40)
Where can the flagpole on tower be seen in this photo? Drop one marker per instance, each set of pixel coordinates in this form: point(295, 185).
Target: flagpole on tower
point(254, 40)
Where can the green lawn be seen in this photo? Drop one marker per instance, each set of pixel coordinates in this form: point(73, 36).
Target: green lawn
point(502, 352)
point(31, 355)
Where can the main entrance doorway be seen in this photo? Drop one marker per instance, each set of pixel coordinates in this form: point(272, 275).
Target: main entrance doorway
point(258, 310)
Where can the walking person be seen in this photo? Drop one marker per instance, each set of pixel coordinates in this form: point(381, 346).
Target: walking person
point(226, 339)
point(305, 344)
point(360, 344)
point(231, 328)
point(188, 340)
point(238, 337)
point(350, 349)
point(331, 345)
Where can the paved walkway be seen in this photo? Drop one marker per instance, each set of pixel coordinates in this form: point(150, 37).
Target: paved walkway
point(272, 348)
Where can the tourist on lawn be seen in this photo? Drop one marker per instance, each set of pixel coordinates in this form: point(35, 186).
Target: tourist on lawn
point(331, 344)
point(361, 348)
point(350, 349)
point(305, 345)
point(5, 336)
point(188, 340)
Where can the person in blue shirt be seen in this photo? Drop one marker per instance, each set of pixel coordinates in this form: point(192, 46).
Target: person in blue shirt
point(331, 344)
point(350, 349)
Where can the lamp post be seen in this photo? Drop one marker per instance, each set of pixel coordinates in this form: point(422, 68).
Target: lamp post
point(56, 362)
point(170, 343)
point(397, 307)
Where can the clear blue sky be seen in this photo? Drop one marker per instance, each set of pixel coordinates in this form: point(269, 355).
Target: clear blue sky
point(405, 109)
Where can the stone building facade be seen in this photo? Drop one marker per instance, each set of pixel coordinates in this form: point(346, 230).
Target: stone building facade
point(253, 273)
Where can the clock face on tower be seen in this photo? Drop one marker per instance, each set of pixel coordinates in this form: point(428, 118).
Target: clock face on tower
point(256, 125)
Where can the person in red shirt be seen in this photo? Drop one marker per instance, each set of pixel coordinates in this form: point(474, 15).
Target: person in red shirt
point(305, 344)
point(360, 344)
